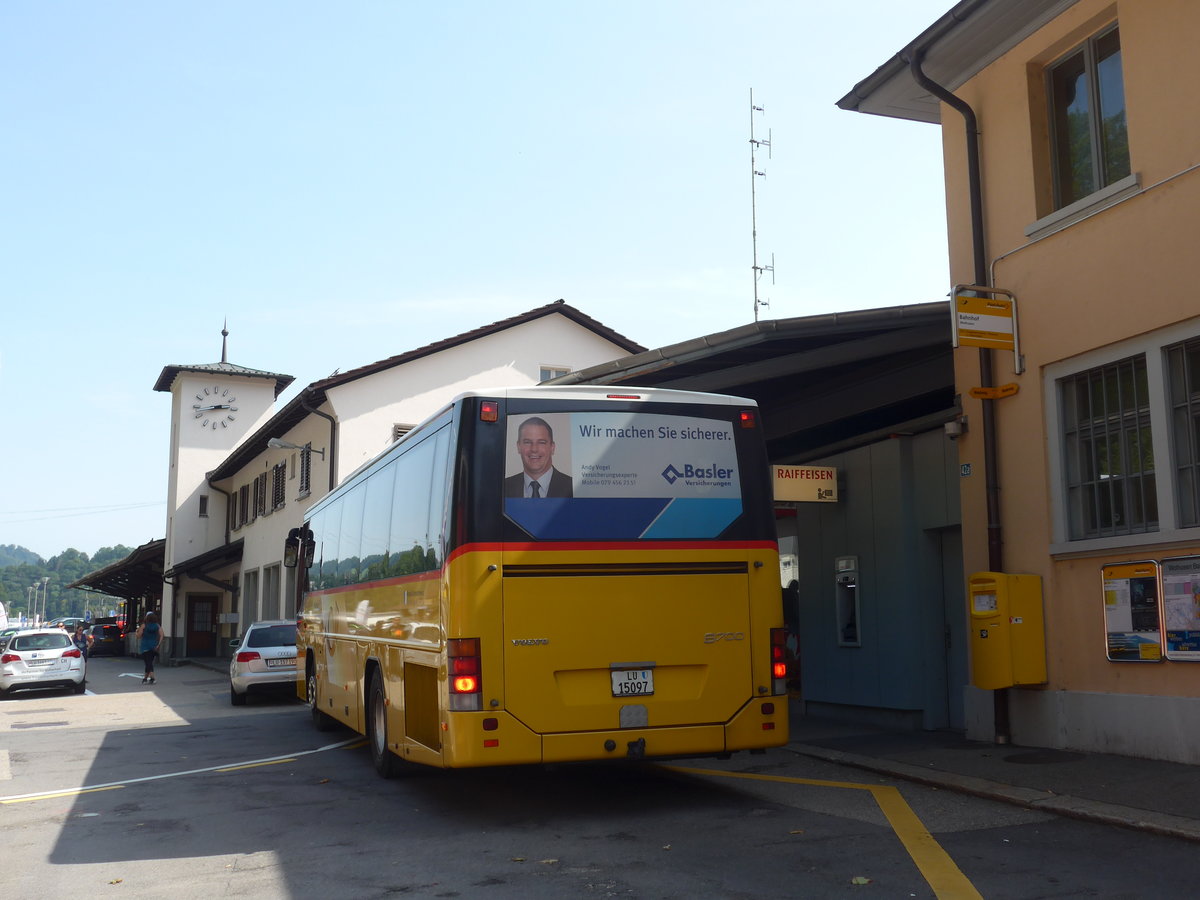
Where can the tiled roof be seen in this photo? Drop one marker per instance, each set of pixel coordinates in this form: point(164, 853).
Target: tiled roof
point(222, 368)
point(561, 307)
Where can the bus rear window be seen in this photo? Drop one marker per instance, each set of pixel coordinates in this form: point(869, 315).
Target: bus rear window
point(621, 476)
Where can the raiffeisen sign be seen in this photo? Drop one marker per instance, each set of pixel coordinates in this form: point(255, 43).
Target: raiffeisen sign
point(805, 484)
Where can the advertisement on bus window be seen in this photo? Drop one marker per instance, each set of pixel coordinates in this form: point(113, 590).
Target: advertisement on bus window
point(621, 476)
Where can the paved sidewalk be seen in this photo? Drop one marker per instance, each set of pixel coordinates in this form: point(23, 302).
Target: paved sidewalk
point(1160, 797)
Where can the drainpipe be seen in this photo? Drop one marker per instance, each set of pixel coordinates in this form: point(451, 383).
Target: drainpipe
point(332, 439)
point(975, 192)
point(228, 497)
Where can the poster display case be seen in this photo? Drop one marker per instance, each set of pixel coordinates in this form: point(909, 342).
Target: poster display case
point(1132, 626)
point(1181, 607)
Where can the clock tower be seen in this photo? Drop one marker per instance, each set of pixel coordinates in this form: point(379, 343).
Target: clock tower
point(214, 406)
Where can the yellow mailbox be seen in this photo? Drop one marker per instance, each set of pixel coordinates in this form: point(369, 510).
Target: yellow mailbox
point(1008, 640)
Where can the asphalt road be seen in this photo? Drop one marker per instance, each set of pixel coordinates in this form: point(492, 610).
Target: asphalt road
point(132, 791)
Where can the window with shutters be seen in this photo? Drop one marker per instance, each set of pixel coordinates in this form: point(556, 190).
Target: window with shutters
point(261, 489)
point(306, 470)
point(278, 485)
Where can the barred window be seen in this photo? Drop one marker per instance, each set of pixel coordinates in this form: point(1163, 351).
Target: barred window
point(1109, 453)
point(1183, 364)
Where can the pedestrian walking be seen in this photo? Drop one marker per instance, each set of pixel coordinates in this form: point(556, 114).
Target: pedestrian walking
point(82, 640)
point(149, 637)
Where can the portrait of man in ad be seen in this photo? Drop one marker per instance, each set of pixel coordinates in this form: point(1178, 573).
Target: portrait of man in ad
point(538, 476)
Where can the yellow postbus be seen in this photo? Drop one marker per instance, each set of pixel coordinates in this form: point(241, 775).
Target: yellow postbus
point(548, 574)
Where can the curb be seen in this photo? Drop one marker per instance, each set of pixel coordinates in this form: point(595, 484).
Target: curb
point(1043, 801)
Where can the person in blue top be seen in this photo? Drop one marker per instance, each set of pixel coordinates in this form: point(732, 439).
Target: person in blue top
point(149, 636)
point(82, 640)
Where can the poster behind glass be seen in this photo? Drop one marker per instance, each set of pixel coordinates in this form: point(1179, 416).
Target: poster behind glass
point(1131, 613)
point(1181, 607)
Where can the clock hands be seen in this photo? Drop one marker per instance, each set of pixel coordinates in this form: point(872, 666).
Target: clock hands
point(200, 408)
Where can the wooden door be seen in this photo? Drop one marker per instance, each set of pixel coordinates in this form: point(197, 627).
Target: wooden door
point(201, 625)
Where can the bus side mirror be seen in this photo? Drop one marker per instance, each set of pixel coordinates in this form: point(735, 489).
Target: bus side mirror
point(310, 549)
point(291, 548)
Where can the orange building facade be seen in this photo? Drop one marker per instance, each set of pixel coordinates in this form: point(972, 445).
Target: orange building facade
point(1086, 212)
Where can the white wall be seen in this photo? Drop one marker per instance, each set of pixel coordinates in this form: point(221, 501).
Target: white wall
point(198, 450)
point(367, 408)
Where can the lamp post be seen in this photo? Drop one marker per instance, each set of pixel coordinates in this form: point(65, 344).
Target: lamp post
point(29, 601)
point(45, 593)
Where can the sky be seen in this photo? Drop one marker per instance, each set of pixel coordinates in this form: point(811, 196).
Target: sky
point(345, 182)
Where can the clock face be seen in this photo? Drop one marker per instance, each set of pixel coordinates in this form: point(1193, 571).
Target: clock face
point(214, 408)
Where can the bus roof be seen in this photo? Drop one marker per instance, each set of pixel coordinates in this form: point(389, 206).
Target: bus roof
point(601, 391)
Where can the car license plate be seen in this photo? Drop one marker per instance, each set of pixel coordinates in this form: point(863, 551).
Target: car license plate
point(632, 682)
point(281, 661)
point(40, 662)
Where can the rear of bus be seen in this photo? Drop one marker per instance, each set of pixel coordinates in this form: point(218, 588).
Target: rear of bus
point(631, 609)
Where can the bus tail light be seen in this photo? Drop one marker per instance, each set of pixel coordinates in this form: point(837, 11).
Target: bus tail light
point(778, 661)
point(489, 411)
point(748, 418)
point(465, 674)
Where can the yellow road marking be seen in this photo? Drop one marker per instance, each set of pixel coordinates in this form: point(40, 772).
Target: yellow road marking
point(934, 863)
point(74, 793)
point(255, 765)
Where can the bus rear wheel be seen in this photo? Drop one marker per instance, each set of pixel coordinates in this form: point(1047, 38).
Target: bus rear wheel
point(386, 763)
point(320, 720)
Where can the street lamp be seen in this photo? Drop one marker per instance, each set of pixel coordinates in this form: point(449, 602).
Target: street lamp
point(29, 601)
point(280, 444)
point(45, 593)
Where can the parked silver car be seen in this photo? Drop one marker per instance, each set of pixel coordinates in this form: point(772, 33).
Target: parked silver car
point(265, 658)
point(42, 658)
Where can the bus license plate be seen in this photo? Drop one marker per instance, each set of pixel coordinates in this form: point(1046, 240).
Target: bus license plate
point(632, 682)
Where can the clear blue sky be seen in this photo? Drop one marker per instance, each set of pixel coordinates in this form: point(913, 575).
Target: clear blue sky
point(348, 181)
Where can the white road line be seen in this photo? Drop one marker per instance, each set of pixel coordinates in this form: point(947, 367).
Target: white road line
point(66, 792)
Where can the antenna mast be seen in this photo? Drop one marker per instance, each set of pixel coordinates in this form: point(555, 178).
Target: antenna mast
point(755, 174)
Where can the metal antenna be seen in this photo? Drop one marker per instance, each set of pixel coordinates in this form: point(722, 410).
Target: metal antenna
point(755, 144)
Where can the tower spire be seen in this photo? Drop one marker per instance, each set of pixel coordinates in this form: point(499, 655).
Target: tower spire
point(224, 340)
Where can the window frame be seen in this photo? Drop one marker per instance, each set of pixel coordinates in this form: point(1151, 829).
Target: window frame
point(1154, 346)
point(1110, 417)
point(1101, 184)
